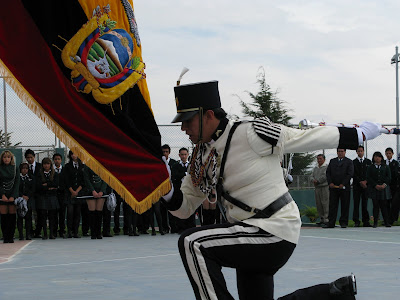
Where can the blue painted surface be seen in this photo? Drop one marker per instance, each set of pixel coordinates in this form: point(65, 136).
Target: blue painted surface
point(149, 267)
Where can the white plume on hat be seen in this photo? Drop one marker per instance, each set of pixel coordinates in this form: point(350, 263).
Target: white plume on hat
point(184, 71)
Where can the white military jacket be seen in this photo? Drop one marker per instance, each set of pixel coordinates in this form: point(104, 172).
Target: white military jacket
point(253, 175)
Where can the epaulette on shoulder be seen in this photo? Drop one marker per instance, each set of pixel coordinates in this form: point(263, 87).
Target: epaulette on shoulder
point(268, 131)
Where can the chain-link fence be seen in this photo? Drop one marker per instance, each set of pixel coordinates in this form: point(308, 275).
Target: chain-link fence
point(27, 129)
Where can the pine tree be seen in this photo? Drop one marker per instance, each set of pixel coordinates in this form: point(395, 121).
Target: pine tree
point(266, 103)
point(3, 140)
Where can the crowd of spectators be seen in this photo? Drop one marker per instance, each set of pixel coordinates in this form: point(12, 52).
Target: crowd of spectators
point(68, 201)
point(377, 179)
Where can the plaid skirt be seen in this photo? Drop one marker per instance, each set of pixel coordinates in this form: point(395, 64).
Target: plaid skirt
point(47, 202)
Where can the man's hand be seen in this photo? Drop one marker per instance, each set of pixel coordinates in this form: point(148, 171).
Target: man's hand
point(363, 184)
point(331, 185)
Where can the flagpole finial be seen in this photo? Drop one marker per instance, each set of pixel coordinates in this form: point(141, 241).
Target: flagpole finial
point(184, 71)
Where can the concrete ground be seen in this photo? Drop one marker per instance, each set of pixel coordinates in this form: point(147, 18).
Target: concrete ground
point(149, 267)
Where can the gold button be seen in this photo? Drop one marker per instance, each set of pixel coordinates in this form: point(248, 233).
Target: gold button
point(231, 206)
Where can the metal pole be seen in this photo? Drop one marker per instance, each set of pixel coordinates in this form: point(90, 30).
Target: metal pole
point(5, 114)
point(397, 99)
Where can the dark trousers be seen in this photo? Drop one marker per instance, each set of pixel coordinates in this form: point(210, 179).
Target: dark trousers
point(156, 210)
point(164, 217)
point(205, 250)
point(334, 196)
point(85, 218)
point(183, 224)
point(51, 215)
point(360, 194)
point(106, 220)
point(130, 219)
point(28, 224)
point(173, 223)
point(117, 213)
point(38, 222)
point(394, 213)
point(73, 217)
point(382, 204)
point(60, 216)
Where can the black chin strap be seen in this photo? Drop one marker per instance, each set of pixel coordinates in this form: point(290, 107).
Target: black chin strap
point(200, 139)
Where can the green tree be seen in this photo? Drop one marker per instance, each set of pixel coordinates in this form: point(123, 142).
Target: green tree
point(267, 103)
point(3, 140)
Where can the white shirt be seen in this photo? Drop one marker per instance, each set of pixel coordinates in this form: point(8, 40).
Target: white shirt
point(32, 167)
point(260, 180)
point(58, 170)
point(389, 161)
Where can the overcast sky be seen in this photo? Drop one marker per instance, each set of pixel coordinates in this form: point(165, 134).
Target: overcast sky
point(329, 60)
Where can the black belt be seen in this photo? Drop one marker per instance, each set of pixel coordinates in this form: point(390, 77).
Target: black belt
point(260, 213)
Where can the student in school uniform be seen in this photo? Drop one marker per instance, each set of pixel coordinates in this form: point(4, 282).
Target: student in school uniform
point(60, 216)
point(47, 202)
point(107, 217)
point(26, 191)
point(165, 215)
point(34, 168)
point(95, 187)
point(9, 188)
point(74, 186)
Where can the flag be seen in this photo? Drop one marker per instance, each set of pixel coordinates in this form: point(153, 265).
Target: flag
point(78, 66)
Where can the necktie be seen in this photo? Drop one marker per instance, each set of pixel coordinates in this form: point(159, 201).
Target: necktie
point(361, 160)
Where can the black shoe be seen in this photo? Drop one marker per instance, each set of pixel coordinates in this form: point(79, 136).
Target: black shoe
point(37, 236)
point(21, 238)
point(388, 225)
point(345, 286)
point(99, 237)
point(85, 234)
point(69, 235)
point(28, 238)
point(116, 232)
point(144, 232)
point(76, 236)
point(52, 237)
point(135, 233)
point(357, 225)
point(153, 232)
point(366, 224)
point(126, 232)
point(162, 232)
point(107, 234)
point(327, 226)
point(343, 226)
point(93, 237)
point(44, 237)
point(375, 225)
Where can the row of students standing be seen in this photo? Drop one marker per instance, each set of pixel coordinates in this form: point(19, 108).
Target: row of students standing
point(51, 192)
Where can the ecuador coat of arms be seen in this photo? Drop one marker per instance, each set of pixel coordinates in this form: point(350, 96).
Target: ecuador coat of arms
point(101, 58)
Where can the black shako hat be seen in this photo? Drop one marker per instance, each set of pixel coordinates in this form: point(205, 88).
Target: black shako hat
point(191, 98)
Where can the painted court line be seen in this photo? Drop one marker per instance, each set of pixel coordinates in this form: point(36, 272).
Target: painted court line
point(350, 240)
point(89, 262)
point(14, 249)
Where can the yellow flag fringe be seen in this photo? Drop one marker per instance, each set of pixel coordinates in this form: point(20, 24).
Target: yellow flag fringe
point(71, 143)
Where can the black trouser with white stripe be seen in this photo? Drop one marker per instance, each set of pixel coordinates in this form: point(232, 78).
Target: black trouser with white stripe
point(255, 254)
